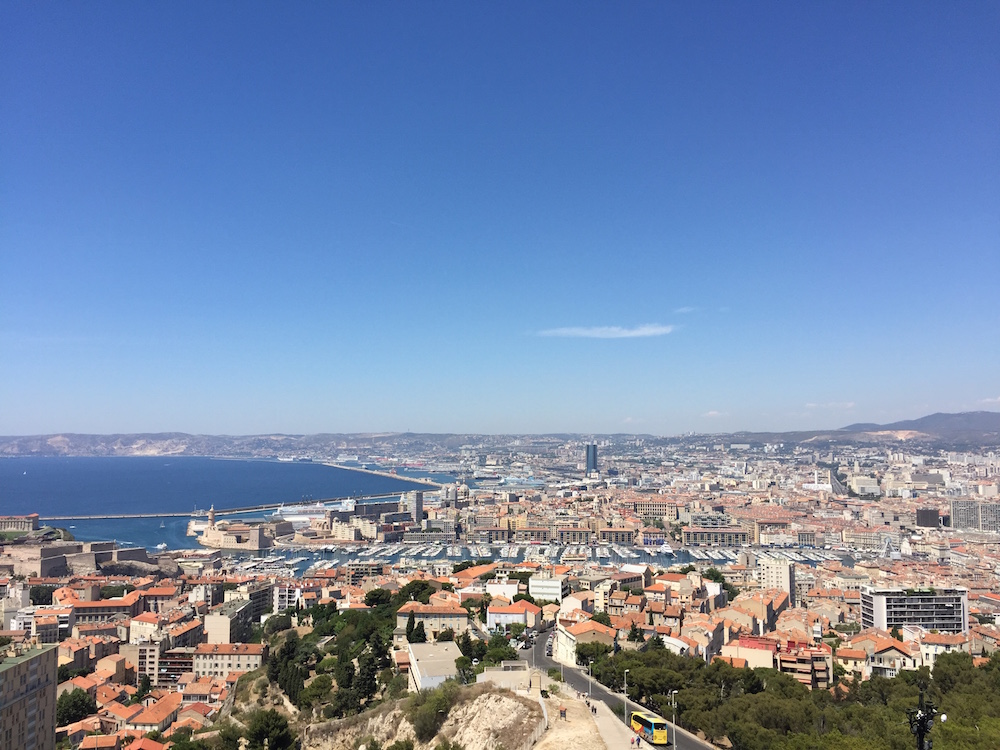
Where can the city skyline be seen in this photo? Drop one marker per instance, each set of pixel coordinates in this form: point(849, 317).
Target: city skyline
point(570, 218)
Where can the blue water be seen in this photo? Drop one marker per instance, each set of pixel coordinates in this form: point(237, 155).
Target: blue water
point(91, 486)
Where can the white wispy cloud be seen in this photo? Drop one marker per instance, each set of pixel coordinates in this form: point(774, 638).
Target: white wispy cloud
point(684, 310)
point(608, 332)
point(842, 405)
point(713, 413)
point(990, 400)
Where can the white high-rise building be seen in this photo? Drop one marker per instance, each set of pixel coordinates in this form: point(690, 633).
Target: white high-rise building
point(777, 574)
point(944, 609)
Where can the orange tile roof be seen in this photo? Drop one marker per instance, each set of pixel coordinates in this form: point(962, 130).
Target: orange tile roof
point(159, 711)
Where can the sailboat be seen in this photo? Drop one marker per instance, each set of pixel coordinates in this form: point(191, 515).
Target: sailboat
point(163, 525)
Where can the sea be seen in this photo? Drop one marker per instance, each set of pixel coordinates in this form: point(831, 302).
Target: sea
point(90, 486)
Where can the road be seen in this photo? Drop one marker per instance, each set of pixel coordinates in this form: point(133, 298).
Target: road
point(579, 680)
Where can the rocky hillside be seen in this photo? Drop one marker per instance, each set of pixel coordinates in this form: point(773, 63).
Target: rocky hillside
point(485, 719)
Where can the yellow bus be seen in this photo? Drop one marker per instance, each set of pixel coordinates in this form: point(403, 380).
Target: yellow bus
point(649, 726)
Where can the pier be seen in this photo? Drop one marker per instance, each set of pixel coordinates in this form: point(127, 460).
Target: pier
point(223, 512)
point(387, 474)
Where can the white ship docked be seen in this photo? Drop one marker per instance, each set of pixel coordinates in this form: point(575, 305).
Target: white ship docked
point(301, 515)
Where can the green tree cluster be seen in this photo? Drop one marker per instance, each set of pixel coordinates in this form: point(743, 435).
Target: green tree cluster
point(288, 667)
point(428, 709)
point(41, 595)
point(114, 591)
point(263, 728)
point(277, 623)
point(761, 709)
point(74, 705)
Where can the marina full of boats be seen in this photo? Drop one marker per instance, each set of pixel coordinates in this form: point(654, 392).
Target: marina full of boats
point(300, 561)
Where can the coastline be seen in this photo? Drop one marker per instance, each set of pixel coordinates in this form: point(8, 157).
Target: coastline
point(113, 498)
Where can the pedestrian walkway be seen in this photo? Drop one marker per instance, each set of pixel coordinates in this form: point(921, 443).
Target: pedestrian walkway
point(614, 733)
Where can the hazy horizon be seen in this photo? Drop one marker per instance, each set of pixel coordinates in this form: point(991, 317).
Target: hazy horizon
point(452, 432)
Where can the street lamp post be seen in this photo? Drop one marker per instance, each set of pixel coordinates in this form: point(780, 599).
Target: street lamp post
point(590, 679)
point(921, 720)
point(625, 706)
point(673, 708)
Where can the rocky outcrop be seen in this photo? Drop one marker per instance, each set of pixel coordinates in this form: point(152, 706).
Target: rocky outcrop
point(491, 720)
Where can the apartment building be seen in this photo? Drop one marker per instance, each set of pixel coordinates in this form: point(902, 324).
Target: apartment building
point(943, 609)
point(28, 698)
point(221, 659)
point(229, 622)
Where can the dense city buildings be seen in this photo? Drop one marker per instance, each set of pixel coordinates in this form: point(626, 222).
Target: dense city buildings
point(762, 554)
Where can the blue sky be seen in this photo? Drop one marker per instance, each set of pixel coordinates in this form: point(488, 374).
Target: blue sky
point(519, 217)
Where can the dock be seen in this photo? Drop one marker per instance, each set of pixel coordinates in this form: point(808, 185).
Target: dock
point(223, 512)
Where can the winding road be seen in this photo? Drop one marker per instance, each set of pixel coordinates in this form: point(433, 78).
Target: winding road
point(579, 680)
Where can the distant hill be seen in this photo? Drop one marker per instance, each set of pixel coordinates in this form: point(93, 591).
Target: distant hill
point(938, 424)
point(967, 430)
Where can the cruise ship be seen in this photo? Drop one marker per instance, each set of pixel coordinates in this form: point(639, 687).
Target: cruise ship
point(301, 515)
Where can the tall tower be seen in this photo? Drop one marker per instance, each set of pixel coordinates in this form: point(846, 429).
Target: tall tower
point(417, 507)
point(778, 574)
point(591, 458)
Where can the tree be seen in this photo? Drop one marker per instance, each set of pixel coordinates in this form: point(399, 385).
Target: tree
point(466, 673)
point(145, 685)
point(41, 595)
point(602, 617)
point(377, 597)
point(414, 591)
point(366, 682)
point(635, 635)
point(446, 635)
point(713, 574)
point(593, 651)
point(181, 740)
point(65, 671)
point(379, 649)
point(270, 726)
point(115, 591)
point(74, 705)
point(344, 674)
point(318, 691)
point(230, 736)
point(419, 634)
point(484, 606)
point(411, 623)
point(277, 623)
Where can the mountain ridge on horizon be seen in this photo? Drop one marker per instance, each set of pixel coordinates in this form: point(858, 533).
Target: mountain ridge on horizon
point(972, 428)
point(937, 423)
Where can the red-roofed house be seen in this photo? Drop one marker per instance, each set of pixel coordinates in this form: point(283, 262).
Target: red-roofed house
point(159, 716)
point(568, 638)
point(522, 611)
point(435, 618)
